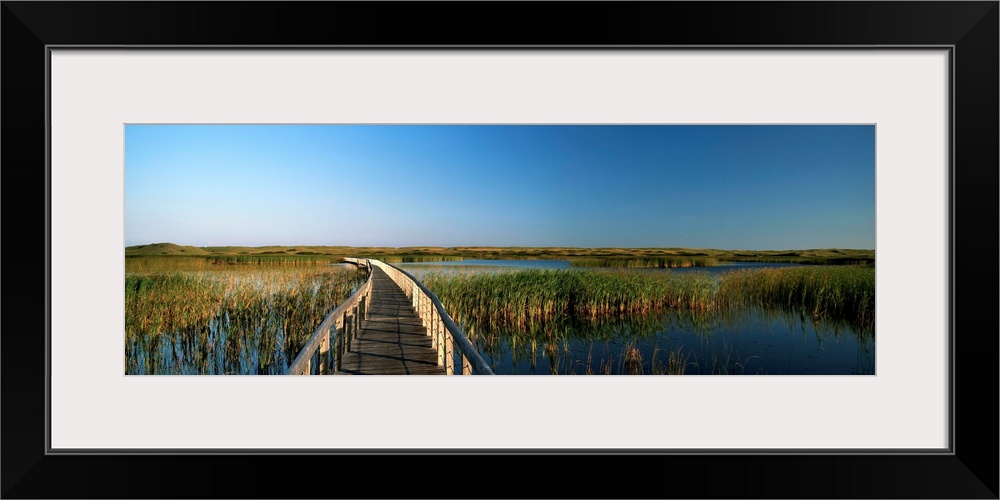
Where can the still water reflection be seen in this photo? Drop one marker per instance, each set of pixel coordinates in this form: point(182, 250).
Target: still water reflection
point(751, 341)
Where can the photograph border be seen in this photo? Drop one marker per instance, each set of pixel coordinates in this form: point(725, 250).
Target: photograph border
point(32, 29)
point(84, 107)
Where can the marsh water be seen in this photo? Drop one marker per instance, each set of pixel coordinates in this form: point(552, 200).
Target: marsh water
point(742, 341)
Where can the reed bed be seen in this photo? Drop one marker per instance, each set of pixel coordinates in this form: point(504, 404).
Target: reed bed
point(522, 297)
point(839, 292)
point(509, 314)
point(520, 315)
point(242, 320)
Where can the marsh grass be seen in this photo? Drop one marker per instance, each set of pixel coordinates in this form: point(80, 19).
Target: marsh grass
point(508, 314)
point(237, 319)
point(838, 293)
point(522, 298)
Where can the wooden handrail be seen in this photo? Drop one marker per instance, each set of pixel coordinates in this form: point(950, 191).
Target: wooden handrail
point(446, 335)
point(346, 315)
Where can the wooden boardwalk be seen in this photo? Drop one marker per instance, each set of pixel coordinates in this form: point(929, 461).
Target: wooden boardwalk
point(393, 340)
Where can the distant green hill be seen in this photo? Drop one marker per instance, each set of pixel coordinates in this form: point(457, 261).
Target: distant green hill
point(165, 249)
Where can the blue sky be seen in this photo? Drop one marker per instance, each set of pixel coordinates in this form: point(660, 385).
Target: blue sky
point(726, 187)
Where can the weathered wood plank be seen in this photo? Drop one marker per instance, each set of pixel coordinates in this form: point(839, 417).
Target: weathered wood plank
point(392, 341)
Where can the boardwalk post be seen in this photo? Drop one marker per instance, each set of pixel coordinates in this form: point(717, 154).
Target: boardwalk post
point(440, 341)
point(422, 311)
point(428, 315)
point(449, 354)
point(324, 352)
point(432, 328)
point(347, 332)
point(339, 351)
point(466, 366)
point(357, 320)
point(349, 337)
point(337, 355)
point(355, 324)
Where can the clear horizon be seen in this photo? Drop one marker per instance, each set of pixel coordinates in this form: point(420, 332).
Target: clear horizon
point(731, 187)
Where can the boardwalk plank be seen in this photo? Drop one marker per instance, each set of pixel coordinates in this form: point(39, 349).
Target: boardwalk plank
point(392, 341)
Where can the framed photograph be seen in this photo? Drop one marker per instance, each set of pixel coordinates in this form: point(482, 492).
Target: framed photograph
point(93, 90)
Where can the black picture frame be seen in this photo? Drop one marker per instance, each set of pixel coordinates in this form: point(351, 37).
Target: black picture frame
point(969, 28)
